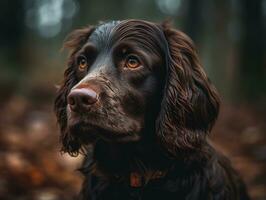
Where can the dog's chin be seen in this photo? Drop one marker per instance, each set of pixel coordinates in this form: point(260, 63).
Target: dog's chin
point(91, 132)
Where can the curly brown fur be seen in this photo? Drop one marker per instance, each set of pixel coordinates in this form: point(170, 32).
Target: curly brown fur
point(148, 110)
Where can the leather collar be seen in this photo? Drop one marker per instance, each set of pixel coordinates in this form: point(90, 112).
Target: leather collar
point(138, 180)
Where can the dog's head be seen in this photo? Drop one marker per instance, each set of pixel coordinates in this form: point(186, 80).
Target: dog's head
point(133, 80)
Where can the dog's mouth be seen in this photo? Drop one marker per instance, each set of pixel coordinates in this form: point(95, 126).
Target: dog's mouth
point(90, 131)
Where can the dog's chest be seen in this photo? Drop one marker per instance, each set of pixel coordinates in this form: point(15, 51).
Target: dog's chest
point(155, 190)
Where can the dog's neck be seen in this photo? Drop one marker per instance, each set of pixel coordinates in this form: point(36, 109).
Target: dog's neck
point(124, 158)
point(134, 163)
point(138, 163)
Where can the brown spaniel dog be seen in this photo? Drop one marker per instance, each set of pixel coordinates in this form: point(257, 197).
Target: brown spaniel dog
point(137, 103)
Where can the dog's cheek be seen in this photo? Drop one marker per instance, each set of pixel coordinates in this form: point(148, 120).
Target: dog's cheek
point(141, 98)
point(133, 105)
point(150, 87)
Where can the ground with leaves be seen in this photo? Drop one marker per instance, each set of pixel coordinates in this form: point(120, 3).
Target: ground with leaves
point(32, 167)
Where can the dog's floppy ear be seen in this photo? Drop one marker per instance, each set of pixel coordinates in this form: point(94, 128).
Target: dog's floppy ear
point(73, 43)
point(190, 102)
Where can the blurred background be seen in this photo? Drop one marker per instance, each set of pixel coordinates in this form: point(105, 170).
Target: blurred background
point(231, 39)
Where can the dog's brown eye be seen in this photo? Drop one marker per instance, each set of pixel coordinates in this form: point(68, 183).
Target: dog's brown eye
point(132, 62)
point(83, 64)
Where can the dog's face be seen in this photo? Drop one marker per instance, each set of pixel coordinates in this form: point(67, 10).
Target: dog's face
point(126, 79)
point(117, 82)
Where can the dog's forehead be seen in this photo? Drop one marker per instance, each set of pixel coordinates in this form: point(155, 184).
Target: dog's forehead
point(140, 32)
point(102, 34)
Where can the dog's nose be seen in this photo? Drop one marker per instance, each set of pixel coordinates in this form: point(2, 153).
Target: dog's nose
point(81, 98)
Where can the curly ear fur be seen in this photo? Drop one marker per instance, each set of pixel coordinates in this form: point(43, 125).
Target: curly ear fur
point(73, 42)
point(190, 104)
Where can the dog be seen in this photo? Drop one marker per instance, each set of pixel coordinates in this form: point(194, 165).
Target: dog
point(136, 102)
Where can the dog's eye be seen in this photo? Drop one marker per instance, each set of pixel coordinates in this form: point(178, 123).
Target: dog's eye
point(82, 63)
point(132, 62)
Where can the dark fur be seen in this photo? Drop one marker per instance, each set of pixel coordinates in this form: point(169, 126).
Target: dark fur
point(156, 118)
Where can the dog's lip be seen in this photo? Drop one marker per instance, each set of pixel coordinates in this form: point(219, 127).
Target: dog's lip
point(103, 133)
point(77, 122)
point(111, 135)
